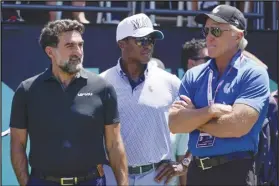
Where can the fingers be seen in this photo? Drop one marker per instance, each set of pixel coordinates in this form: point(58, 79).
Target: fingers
point(161, 167)
point(161, 173)
point(169, 178)
point(176, 106)
point(186, 99)
point(165, 174)
point(182, 103)
point(179, 105)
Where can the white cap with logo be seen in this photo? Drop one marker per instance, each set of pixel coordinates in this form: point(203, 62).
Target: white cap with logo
point(138, 25)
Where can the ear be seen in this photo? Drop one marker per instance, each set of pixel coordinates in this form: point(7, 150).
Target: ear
point(238, 36)
point(190, 63)
point(121, 44)
point(49, 51)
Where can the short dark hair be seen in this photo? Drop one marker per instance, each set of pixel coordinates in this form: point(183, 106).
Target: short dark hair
point(51, 32)
point(191, 49)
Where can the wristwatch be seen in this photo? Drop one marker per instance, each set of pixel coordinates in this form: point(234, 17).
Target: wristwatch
point(186, 162)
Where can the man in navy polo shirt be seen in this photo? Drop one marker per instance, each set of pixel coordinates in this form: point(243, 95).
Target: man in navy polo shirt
point(223, 104)
point(66, 111)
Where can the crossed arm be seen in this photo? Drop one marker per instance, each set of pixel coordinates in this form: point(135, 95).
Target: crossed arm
point(234, 124)
point(184, 118)
point(116, 153)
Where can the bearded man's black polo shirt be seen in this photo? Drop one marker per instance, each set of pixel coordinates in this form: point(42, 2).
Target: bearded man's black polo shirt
point(66, 125)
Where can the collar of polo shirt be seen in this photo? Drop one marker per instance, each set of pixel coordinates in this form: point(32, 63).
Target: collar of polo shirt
point(236, 62)
point(122, 73)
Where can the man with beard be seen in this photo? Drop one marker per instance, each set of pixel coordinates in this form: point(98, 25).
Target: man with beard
point(144, 93)
point(66, 111)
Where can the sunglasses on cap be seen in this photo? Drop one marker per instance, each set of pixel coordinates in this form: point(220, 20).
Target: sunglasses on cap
point(215, 31)
point(144, 41)
point(206, 58)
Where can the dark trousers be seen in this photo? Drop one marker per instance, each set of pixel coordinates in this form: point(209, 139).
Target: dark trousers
point(100, 181)
point(237, 172)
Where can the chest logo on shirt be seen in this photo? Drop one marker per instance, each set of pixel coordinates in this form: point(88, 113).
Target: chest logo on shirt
point(150, 88)
point(85, 94)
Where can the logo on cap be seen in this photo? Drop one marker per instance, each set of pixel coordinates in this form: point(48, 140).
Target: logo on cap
point(215, 10)
point(140, 23)
point(236, 22)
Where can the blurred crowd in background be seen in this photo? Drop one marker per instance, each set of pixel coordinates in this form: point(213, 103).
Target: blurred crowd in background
point(268, 9)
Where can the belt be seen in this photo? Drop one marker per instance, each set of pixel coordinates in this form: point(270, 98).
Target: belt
point(209, 162)
point(145, 168)
point(74, 180)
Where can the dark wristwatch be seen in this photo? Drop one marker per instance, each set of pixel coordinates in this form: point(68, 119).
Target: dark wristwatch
point(186, 162)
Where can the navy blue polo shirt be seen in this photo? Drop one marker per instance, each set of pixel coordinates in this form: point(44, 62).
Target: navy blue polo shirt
point(66, 126)
point(246, 83)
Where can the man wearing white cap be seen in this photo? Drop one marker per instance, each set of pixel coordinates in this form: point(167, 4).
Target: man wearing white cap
point(144, 93)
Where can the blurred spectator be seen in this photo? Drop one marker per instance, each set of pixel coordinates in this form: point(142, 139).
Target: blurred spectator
point(10, 15)
point(199, 5)
point(194, 52)
point(157, 62)
point(79, 16)
point(246, 7)
point(268, 14)
point(275, 95)
point(267, 156)
point(43, 16)
point(207, 5)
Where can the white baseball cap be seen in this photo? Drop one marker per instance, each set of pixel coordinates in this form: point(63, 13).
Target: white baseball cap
point(138, 25)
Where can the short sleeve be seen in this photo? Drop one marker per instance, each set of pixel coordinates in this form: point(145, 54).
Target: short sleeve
point(111, 108)
point(186, 84)
point(182, 144)
point(19, 118)
point(255, 89)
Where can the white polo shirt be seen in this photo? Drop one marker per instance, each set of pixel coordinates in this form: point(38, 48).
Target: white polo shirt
point(143, 113)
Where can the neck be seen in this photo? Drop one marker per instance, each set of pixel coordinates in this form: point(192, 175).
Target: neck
point(223, 60)
point(132, 68)
point(63, 77)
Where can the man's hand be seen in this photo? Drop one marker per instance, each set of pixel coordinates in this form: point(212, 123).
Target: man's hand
point(185, 103)
point(179, 105)
point(169, 170)
point(217, 110)
point(188, 102)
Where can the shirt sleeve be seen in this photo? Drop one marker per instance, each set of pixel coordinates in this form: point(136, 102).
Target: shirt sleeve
point(186, 84)
point(111, 106)
point(19, 118)
point(255, 89)
point(182, 144)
